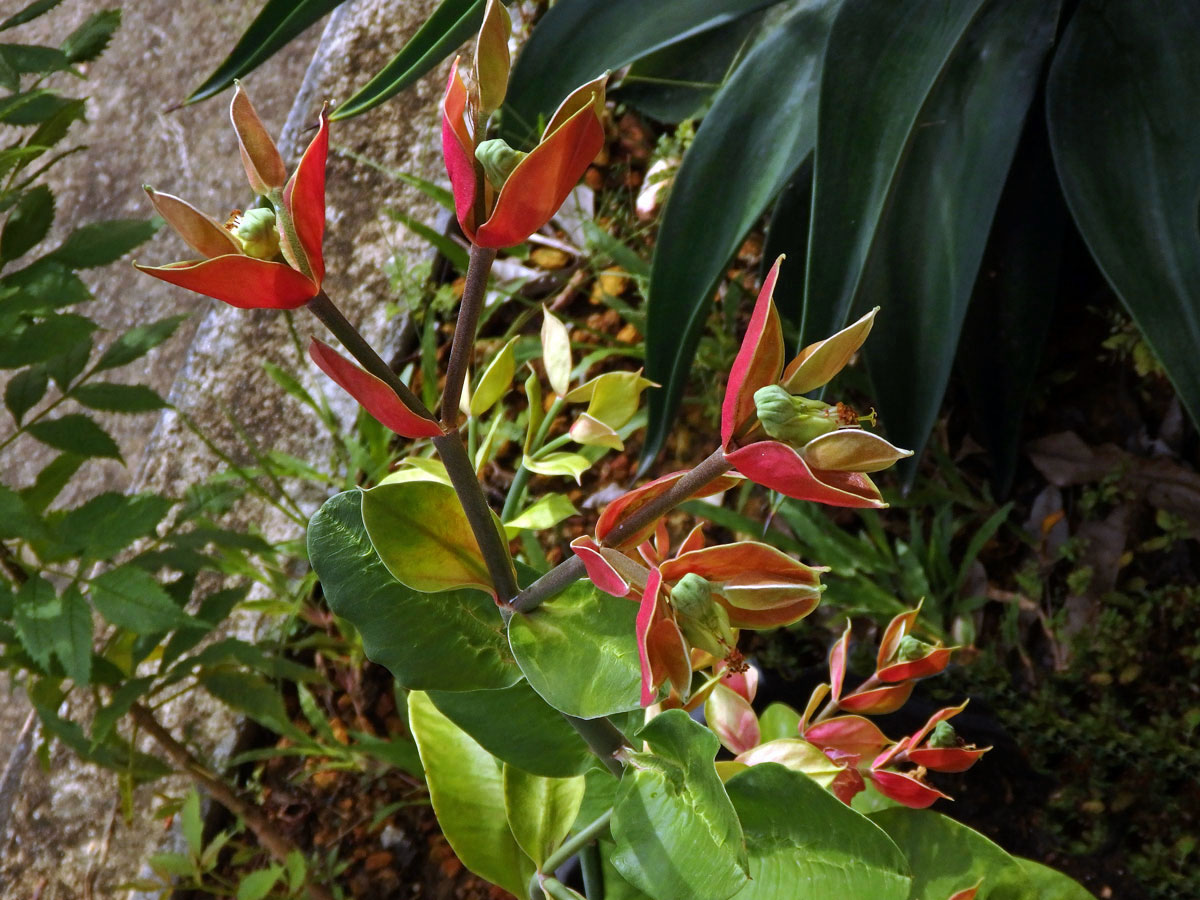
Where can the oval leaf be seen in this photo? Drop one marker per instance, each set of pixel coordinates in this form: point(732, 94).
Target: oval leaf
point(540, 810)
point(449, 641)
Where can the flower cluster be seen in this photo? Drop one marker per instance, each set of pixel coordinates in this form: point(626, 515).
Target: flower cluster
point(268, 257)
point(803, 448)
point(845, 750)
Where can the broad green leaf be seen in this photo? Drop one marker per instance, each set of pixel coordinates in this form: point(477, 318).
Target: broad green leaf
point(1132, 187)
point(47, 486)
point(799, 833)
point(540, 810)
point(574, 42)
point(91, 38)
point(108, 523)
point(559, 463)
point(131, 598)
point(76, 433)
point(466, 788)
point(128, 398)
point(778, 721)
point(945, 856)
point(28, 13)
point(137, 342)
point(516, 726)
point(545, 513)
point(100, 243)
point(24, 390)
point(27, 223)
point(556, 352)
point(422, 535)
point(921, 266)
point(31, 58)
point(581, 623)
point(452, 641)
point(495, 381)
point(766, 112)
point(1051, 885)
point(276, 25)
point(32, 107)
point(42, 286)
point(677, 834)
point(452, 23)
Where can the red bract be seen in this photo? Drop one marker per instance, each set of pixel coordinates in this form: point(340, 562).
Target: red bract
point(901, 657)
point(372, 393)
point(628, 503)
point(506, 213)
point(241, 264)
point(829, 467)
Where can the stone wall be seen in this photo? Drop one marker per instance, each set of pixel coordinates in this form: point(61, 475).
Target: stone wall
point(66, 837)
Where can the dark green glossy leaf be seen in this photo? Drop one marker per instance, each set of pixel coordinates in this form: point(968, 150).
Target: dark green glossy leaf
point(678, 82)
point(24, 390)
point(450, 641)
point(250, 694)
point(50, 481)
point(799, 833)
point(29, 13)
point(11, 82)
point(66, 366)
point(100, 243)
point(37, 617)
point(926, 102)
point(765, 113)
point(131, 598)
point(41, 287)
point(27, 59)
point(76, 433)
point(33, 107)
point(677, 834)
point(517, 726)
point(945, 857)
point(27, 224)
point(137, 342)
point(452, 23)
point(787, 235)
point(574, 42)
point(91, 38)
point(127, 398)
point(277, 23)
point(581, 623)
point(1012, 306)
point(1126, 144)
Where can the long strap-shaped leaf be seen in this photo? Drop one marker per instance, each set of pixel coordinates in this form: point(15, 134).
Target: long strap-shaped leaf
point(272, 29)
point(922, 106)
point(450, 24)
point(1121, 105)
point(761, 127)
point(576, 41)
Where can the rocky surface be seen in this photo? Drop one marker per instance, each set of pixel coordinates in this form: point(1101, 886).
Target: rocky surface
point(67, 838)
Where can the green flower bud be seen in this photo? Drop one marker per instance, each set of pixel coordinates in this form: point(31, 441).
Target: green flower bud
point(793, 420)
point(257, 232)
point(703, 621)
point(912, 648)
point(943, 736)
point(498, 160)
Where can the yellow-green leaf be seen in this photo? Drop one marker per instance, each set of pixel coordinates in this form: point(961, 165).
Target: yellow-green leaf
point(496, 380)
point(540, 810)
point(556, 352)
point(571, 464)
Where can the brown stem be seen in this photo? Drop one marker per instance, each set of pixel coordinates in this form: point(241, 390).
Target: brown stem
point(464, 331)
point(571, 570)
point(274, 842)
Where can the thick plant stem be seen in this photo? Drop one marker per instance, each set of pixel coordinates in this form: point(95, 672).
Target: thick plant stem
point(462, 476)
point(274, 842)
point(464, 331)
point(571, 570)
point(449, 446)
point(604, 739)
